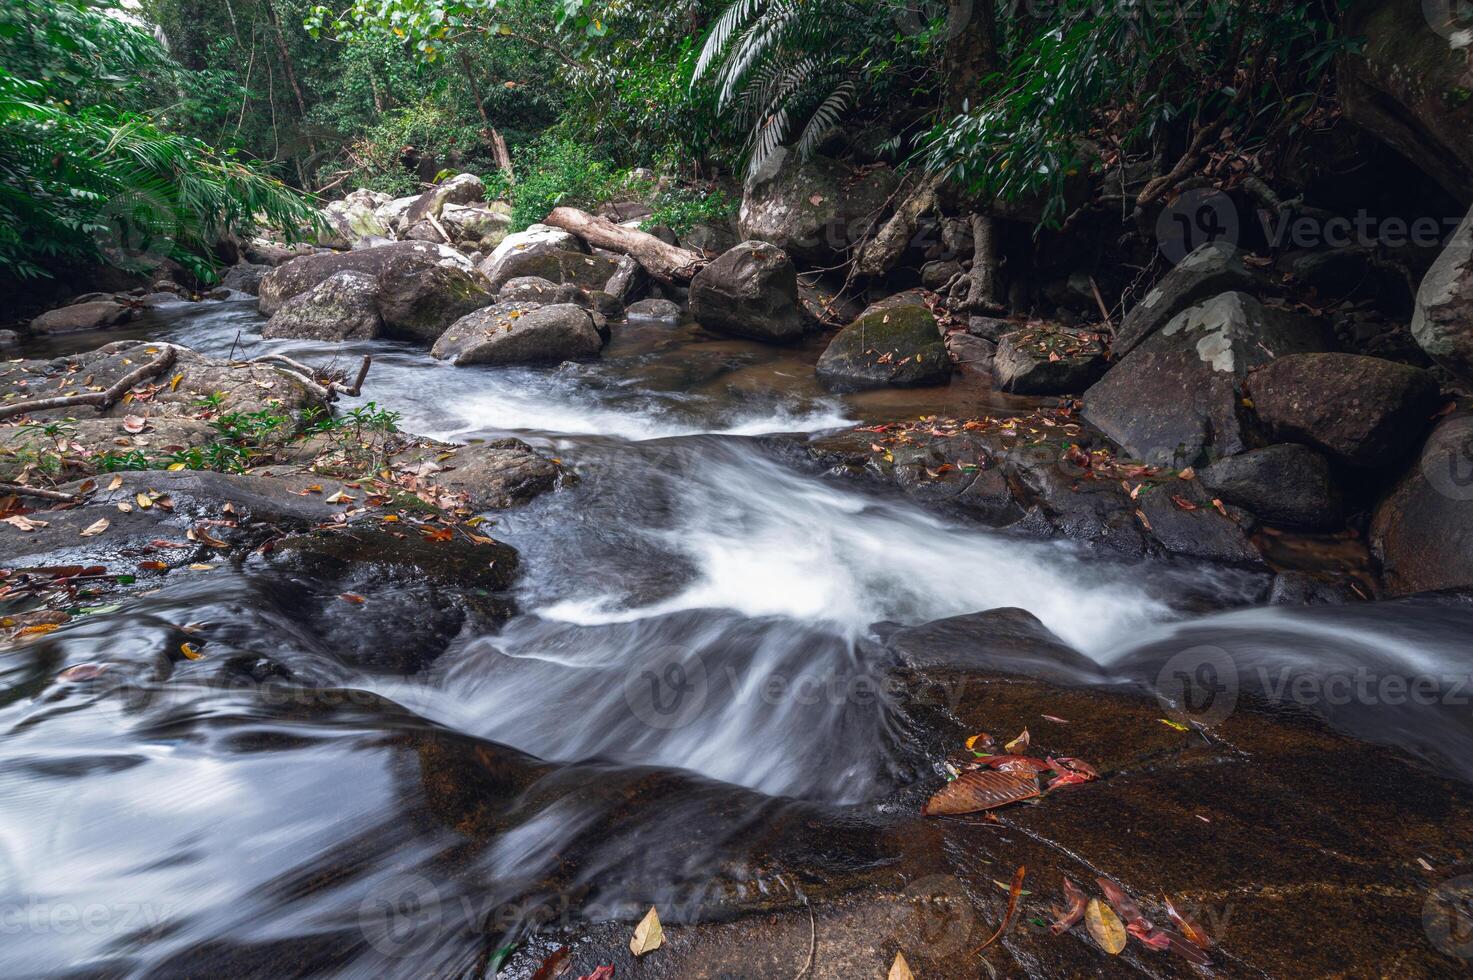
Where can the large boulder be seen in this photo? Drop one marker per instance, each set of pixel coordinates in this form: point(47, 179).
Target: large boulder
point(391, 215)
point(1422, 534)
point(1410, 85)
point(1361, 410)
point(896, 343)
point(553, 264)
point(527, 289)
point(344, 306)
point(814, 209)
point(1045, 359)
point(1211, 270)
point(460, 189)
point(1286, 484)
point(534, 237)
point(95, 315)
point(750, 291)
point(1442, 322)
point(245, 277)
point(484, 225)
point(353, 218)
point(422, 287)
point(1175, 399)
point(520, 333)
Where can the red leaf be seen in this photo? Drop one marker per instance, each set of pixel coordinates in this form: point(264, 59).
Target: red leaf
point(1066, 919)
point(1123, 904)
point(1183, 503)
point(555, 965)
point(1141, 930)
point(602, 973)
point(352, 597)
point(981, 790)
point(1188, 927)
point(1014, 892)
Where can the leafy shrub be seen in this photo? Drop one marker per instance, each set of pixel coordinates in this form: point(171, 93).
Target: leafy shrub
point(679, 208)
point(552, 172)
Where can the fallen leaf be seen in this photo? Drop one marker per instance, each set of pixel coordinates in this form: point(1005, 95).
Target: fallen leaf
point(144, 501)
point(338, 498)
point(201, 567)
point(174, 467)
point(1056, 719)
point(1156, 940)
point(96, 527)
point(134, 423)
point(1188, 474)
point(125, 507)
point(1104, 925)
point(981, 789)
point(1015, 891)
point(1182, 503)
point(352, 597)
point(1072, 912)
point(38, 629)
point(900, 970)
point(1188, 927)
point(602, 973)
point(1016, 763)
point(1174, 724)
point(24, 523)
point(442, 534)
point(647, 935)
point(153, 566)
point(982, 737)
point(554, 966)
point(1018, 744)
point(190, 651)
point(1124, 905)
point(115, 482)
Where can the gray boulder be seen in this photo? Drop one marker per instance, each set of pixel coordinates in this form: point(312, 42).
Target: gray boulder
point(391, 215)
point(1442, 322)
point(1363, 411)
point(814, 209)
point(1422, 534)
point(245, 277)
point(709, 239)
point(657, 310)
point(1285, 484)
point(520, 333)
point(1175, 399)
point(344, 306)
point(527, 289)
point(82, 316)
point(353, 218)
point(553, 264)
point(460, 189)
point(537, 236)
point(894, 343)
point(750, 291)
point(1047, 360)
point(1211, 270)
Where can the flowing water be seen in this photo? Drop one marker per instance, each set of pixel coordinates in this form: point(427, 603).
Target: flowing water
point(692, 627)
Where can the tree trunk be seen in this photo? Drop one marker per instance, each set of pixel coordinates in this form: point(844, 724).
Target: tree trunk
point(498, 144)
point(291, 74)
point(668, 264)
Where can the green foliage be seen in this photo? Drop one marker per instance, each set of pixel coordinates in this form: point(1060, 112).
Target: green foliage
point(102, 182)
point(553, 172)
point(680, 208)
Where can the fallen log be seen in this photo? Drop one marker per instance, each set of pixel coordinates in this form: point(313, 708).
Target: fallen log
point(667, 263)
point(101, 400)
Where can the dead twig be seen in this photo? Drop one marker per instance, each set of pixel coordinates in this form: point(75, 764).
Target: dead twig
point(102, 400)
point(306, 375)
point(21, 490)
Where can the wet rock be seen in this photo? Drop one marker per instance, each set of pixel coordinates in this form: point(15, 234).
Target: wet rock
point(301, 274)
point(1057, 499)
point(527, 289)
point(495, 475)
point(895, 342)
point(161, 299)
point(83, 316)
point(418, 301)
point(751, 291)
point(245, 277)
point(990, 328)
point(9, 340)
point(1175, 398)
point(1287, 484)
point(520, 333)
point(1182, 519)
point(1004, 641)
point(824, 305)
point(1442, 322)
point(660, 310)
point(344, 306)
point(1211, 270)
point(554, 265)
point(1408, 86)
point(814, 209)
point(629, 282)
point(1361, 410)
point(1422, 534)
point(460, 189)
point(971, 353)
point(1303, 589)
point(1047, 360)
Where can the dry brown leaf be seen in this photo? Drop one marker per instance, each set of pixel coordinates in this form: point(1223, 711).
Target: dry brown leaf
point(115, 482)
point(1017, 745)
point(190, 651)
point(647, 935)
point(982, 789)
point(1105, 926)
point(96, 527)
point(900, 970)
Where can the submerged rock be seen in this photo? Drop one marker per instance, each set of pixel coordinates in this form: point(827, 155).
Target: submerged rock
point(751, 291)
point(896, 342)
point(520, 333)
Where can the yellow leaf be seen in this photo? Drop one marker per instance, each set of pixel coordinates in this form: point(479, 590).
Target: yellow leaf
point(116, 482)
point(1104, 925)
point(174, 384)
point(125, 507)
point(1173, 724)
point(96, 527)
point(900, 970)
point(201, 567)
point(38, 629)
point(190, 650)
point(144, 501)
point(647, 935)
point(1018, 744)
point(175, 467)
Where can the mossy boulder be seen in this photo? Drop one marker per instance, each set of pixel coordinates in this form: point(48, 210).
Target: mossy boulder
point(894, 343)
point(553, 264)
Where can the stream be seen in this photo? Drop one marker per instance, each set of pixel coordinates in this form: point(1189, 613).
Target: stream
point(693, 614)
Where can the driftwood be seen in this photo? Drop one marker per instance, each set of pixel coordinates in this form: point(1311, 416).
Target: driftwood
point(306, 375)
point(670, 265)
point(21, 490)
point(102, 400)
